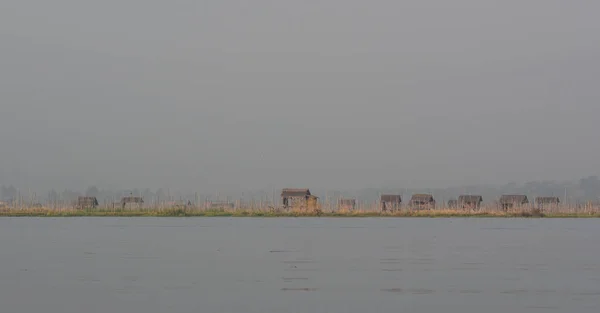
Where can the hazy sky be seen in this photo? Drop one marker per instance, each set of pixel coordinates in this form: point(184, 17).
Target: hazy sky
point(324, 94)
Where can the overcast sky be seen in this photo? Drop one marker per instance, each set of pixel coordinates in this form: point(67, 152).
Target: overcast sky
point(316, 93)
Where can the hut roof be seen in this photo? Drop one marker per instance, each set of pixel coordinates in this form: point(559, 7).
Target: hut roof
point(421, 197)
point(87, 201)
point(132, 200)
point(294, 192)
point(547, 200)
point(514, 199)
point(470, 199)
point(391, 198)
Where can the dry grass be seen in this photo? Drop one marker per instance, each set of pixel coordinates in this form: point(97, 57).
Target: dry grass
point(300, 212)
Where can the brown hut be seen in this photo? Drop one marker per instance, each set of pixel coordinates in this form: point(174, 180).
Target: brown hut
point(547, 202)
point(390, 202)
point(470, 201)
point(347, 204)
point(300, 198)
point(422, 201)
point(87, 202)
point(132, 202)
point(511, 201)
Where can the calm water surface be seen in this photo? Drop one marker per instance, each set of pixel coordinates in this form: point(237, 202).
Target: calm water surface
point(230, 265)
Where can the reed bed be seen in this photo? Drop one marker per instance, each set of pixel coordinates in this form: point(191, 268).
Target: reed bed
point(182, 211)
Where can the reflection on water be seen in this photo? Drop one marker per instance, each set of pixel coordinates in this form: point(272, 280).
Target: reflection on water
point(148, 265)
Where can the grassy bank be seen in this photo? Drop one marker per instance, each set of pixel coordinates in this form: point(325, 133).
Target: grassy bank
point(191, 212)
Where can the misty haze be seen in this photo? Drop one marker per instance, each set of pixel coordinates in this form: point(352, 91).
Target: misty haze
point(236, 96)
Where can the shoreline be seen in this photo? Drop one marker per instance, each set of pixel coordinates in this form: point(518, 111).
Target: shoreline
point(182, 212)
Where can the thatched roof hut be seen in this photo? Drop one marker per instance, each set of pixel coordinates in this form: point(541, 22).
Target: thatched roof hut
point(470, 201)
point(509, 201)
point(390, 202)
point(422, 200)
point(547, 200)
point(516, 199)
point(132, 201)
point(298, 197)
point(87, 202)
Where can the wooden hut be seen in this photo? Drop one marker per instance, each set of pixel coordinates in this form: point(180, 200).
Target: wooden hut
point(547, 202)
point(298, 198)
point(512, 201)
point(390, 202)
point(347, 204)
point(422, 201)
point(472, 202)
point(132, 202)
point(87, 202)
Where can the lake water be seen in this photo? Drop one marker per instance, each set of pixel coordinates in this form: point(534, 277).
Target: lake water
point(245, 265)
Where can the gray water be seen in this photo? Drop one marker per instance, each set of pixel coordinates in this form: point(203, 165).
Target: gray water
point(230, 265)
